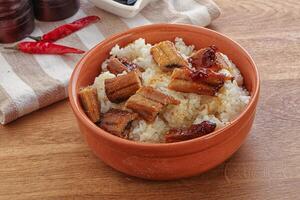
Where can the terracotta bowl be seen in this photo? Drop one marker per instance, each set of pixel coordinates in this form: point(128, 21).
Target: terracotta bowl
point(173, 160)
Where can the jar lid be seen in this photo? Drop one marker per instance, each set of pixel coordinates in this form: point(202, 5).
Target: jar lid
point(46, 10)
point(52, 3)
point(10, 9)
point(21, 19)
point(16, 21)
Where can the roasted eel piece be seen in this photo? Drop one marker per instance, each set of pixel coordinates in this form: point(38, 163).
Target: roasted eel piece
point(182, 81)
point(148, 102)
point(147, 109)
point(205, 58)
point(209, 77)
point(117, 122)
point(118, 65)
point(194, 131)
point(154, 95)
point(115, 66)
point(203, 81)
point(166, 56)
point(220, 61)
point(122, 87)
point(90, 103)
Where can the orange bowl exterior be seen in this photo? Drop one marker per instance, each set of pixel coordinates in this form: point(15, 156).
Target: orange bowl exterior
point(174, 160)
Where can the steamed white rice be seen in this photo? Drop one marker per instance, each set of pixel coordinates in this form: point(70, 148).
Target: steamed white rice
point(227, 105)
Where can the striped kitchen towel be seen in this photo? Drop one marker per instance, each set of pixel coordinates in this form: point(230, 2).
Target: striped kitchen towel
point(30, 82)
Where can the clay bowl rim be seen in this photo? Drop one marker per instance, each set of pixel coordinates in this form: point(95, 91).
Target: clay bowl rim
point(78, 111)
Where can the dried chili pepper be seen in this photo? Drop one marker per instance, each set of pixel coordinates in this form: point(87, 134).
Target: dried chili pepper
point(67, 29)
point(44, 48)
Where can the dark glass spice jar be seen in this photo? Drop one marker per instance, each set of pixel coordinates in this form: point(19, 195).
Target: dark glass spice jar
point(54, 10)
point(16, 20)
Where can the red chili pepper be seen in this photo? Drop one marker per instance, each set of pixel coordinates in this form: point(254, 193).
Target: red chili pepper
point(44, 48)
point(67, 29)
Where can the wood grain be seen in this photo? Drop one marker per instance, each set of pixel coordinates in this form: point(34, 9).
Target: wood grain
point(43, 155)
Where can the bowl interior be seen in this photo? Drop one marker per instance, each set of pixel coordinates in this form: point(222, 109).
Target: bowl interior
point(90, 66)
point(91, 63)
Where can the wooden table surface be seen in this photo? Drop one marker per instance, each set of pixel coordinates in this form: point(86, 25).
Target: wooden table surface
point(43, 156)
